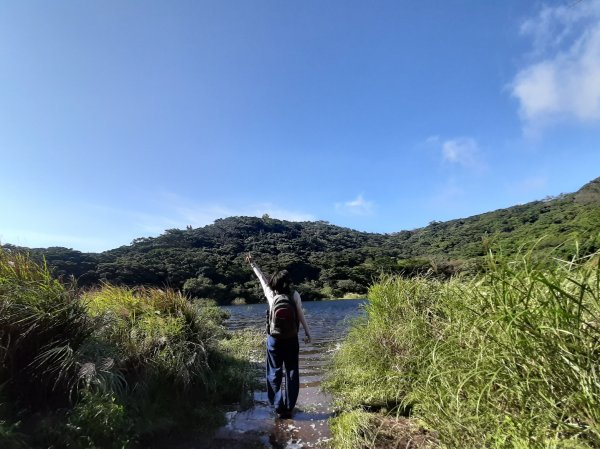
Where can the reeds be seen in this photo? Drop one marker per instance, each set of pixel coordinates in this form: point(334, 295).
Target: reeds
point(506, 360)
point(42, 324)
point(113, 366)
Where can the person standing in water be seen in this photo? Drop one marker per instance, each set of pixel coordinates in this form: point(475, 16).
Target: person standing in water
point(282, 351)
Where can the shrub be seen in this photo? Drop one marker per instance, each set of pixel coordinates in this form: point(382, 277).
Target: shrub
point(97, 421)
point(111, 366)
point(156, 333)
point(10, 437)
point(233, 368)
point(380, 357)
point(42, 326)
point(508, 359)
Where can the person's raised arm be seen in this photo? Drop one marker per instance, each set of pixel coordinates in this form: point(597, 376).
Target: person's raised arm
point(262, 278)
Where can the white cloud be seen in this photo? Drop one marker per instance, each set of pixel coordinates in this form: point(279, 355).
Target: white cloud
point(35, 239)
point(448, 196)
point(432, 140)
point(358, 206)
point(562, 81)
point(280, 213)
point(463, 151)
point(183, 212)
point(529, 185)
point(176, 211)
point(170, 211)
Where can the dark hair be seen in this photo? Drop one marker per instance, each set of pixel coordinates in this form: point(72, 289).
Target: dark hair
point(281, 282)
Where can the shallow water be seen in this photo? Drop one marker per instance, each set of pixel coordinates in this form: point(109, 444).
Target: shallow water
point(308, 428)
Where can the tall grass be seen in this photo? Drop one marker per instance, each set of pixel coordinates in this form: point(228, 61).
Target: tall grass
point(157, 333)
point(41, 325)
point(506, 360)
point(111, 367)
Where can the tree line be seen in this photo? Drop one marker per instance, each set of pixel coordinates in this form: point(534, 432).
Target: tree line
point(325, 260)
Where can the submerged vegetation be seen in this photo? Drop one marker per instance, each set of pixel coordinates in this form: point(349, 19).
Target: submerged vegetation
point(508, 359)
point(112, 367)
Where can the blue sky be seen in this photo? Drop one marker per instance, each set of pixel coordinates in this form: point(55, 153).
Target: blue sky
point(122, 119)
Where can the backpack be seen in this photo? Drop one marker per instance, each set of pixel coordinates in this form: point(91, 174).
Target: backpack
point(282, 321)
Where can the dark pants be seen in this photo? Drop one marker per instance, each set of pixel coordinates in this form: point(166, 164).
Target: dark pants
point(282, 353)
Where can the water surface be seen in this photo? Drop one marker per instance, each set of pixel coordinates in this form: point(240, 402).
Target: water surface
point(328, 322)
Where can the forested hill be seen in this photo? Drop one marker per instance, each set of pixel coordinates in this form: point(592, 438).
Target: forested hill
point(327, 260)
point(566, 217)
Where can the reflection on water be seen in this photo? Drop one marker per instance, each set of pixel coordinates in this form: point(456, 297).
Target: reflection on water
point(328, 322)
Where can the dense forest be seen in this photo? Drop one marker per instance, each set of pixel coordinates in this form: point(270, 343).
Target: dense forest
point(325, 260)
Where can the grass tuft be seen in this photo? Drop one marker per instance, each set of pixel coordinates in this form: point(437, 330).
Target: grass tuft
point(112, 367)
point(505, 360)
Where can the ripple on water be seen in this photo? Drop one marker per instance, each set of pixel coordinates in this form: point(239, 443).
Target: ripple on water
point(308, 428)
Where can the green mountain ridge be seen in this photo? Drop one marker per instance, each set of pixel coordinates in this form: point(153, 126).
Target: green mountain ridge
point(555, 219)
point(327, 260)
